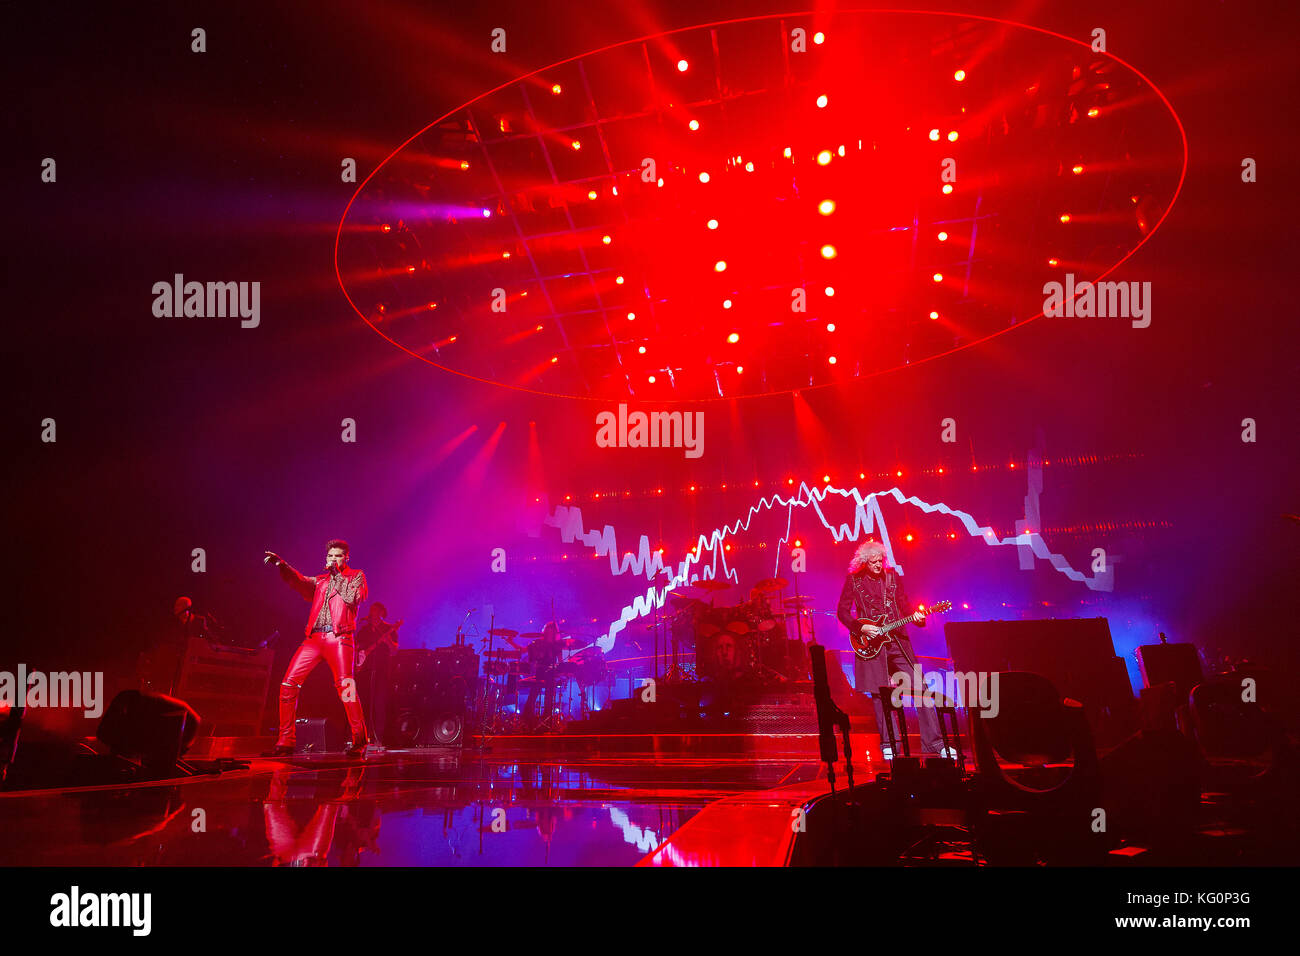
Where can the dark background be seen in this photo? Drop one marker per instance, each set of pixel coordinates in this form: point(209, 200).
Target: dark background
point(177, 434)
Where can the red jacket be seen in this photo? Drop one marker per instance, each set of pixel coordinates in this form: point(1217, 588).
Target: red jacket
point(343, 602)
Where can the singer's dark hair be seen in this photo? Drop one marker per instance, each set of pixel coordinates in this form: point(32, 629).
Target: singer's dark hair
point(336, 543)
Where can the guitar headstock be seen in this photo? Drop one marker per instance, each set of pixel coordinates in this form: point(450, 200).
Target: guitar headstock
point(939, 607)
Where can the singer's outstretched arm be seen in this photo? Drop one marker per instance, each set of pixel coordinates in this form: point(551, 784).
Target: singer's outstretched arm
point(304, 586)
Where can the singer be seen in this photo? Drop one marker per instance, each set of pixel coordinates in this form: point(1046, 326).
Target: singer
point(331, 626)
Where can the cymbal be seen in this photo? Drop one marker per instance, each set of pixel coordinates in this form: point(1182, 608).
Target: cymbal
point(503, 632)
point(771, 584)
point(508, 652)
point(531, 636)
point(802, 600)
point(711, 585)
point(574, 642)
point(682, 601)
point(738, 627)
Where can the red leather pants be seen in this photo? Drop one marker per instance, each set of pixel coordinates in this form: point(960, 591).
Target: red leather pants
point(338, 653)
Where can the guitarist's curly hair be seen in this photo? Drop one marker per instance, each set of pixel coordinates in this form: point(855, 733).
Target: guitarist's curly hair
point(860, 556)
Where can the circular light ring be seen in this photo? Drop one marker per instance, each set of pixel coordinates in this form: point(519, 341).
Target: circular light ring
point(1083, 46)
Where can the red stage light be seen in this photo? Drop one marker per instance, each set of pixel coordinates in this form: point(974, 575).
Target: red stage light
point(823, 157)
point(826, 207)
point(631, 316)
point(641, 349)
point(1094, 111)
point(740, 370)
point(828, 251)
point(947, 188)
point(826, 479)
point(591, 194)
point(606, 240)
point(1077, 170)
point(713, 224)
point(938, 277)
point(832, 360)
point(822, 101)
point(720, 266)
point(555, 89)
point(704, 177)
point(726, 303)
point(749, 167)
point(943, 237)
point(618, 280)
point(1065, 217)
point(934, 136)
point(909, 537)
point(385, 228)
point(959, 75)
point(1053, 262)
point(576, 144)
point(830, 326)
point(464, 164)
point(554, 359)
point(952, 136)
point(819, 38)
point(682, 66)
point(652, 379)
point(898, 474)
point(934, 315)
point(830, 290)
point(694, 124)
point(733, 338)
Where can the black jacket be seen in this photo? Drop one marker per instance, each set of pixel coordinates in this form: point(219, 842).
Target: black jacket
point(865, 596)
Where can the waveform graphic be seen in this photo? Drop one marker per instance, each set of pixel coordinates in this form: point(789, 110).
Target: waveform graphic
point(867, 518)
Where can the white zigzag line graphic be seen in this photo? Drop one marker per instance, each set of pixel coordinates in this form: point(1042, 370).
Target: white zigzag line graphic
point(867, 518)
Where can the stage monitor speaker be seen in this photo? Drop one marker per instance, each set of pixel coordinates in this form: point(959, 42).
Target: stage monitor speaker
point(1179, 663)
point(1076, 654)
point(153, 728)
point(317, 735)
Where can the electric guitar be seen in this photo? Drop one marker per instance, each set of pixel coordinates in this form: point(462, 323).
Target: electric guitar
point(867, 647)
point(389, 635)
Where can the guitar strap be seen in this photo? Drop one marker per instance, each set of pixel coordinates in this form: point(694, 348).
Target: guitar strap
point(890, 587)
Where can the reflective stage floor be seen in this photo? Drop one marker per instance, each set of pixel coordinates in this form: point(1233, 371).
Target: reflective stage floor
point(425, 808)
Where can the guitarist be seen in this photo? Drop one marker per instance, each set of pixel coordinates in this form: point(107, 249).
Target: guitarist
point(876, 591)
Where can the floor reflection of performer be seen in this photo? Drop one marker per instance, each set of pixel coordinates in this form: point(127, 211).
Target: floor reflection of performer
point(544, 655)
point(308, 845)
point(330, 629)
point(376, 645)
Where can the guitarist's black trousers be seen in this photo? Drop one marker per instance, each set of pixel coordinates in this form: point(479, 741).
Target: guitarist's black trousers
point(870, 676)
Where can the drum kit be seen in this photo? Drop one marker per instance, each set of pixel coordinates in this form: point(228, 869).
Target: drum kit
point(534, 665)
point(761, 639)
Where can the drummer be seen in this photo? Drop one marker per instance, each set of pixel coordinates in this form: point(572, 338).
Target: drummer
point(544, 654)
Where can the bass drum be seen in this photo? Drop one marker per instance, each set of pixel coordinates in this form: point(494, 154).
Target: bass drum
point(589, 667)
